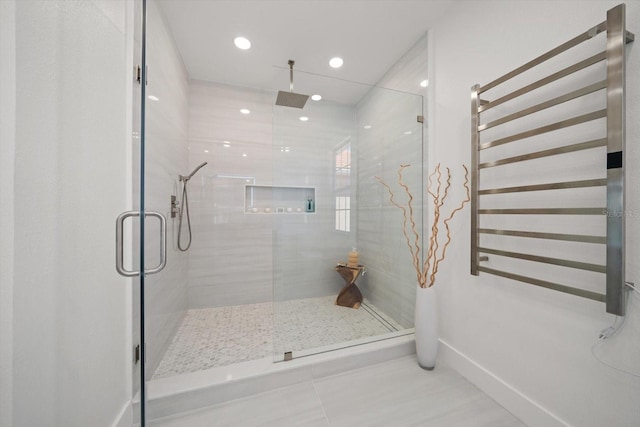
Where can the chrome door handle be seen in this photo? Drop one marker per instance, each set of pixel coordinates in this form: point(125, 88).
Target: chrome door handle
point(163, 242)
point(120, 243)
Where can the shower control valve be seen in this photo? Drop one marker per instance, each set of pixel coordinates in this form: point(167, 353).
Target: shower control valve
point(175, 209)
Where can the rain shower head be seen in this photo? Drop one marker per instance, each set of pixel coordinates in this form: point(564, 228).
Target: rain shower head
point(188, 177)
point(291, 99)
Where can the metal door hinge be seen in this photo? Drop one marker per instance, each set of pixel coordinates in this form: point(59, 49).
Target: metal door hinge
point(138, 74)
point(420, 119)
point(136, 354)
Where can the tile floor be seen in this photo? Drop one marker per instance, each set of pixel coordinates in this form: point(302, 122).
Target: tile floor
point(396, 393)
point(221, 336)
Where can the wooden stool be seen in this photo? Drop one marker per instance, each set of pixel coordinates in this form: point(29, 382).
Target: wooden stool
point(350, 295)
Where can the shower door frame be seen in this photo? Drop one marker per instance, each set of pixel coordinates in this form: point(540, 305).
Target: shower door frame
point(141, 348)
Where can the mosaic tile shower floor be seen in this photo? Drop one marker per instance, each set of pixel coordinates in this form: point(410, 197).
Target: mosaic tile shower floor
point(213, 337)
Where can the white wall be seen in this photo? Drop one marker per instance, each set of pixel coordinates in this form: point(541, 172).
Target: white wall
point(68, 330)
point(7, 155)
point(529, 347)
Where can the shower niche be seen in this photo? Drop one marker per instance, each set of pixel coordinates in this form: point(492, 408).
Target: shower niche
point(271, 199)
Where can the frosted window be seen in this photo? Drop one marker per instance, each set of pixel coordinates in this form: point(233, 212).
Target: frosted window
point(343, 187)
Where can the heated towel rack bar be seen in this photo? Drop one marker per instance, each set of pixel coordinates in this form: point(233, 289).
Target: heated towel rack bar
point(614, 209)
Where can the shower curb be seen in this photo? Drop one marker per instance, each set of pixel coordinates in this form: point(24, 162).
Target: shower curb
point(174, 395)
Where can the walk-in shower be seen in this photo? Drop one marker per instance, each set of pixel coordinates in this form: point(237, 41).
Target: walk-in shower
point(287, 194)
point(261, 278)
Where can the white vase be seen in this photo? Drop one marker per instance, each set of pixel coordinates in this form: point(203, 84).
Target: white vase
point(426, 327)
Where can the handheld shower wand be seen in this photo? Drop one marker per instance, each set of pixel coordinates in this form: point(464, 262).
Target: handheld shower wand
point(185, 206)
point(188, 177)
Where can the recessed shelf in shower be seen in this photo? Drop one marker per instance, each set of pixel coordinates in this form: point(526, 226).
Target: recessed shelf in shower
point(273, 199)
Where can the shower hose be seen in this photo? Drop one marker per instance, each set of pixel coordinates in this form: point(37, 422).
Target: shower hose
point(184, 207)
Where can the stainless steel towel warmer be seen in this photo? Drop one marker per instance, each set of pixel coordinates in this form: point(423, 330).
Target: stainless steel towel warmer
point(614, 112)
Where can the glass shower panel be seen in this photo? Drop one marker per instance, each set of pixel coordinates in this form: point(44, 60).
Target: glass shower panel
point(390, 135)
point(324, 201)
point(165, 159)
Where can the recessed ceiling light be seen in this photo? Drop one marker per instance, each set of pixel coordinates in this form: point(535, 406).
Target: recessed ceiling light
point(336, 62)
point(424, 83)
point(316, 97)
point(244, 154)
point(245, 111)
point(304, 118)
point(226, 144)
point(206, 151)
point(242, 43)
point(367, 126)
point(408, 132)
point(153, 98)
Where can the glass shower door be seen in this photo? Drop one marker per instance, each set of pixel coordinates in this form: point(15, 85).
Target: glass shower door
point(325, 201)
point(161, 171)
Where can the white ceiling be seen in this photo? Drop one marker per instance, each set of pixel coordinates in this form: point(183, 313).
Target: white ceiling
point(370, 35)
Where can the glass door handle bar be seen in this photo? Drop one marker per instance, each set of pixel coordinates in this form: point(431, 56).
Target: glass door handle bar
point(163, 242)
point(120, 243)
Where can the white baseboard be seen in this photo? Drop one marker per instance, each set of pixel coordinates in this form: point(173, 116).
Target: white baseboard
point(520, 405)
point(125, 417)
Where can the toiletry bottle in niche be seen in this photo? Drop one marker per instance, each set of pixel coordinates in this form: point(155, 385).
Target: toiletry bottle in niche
point(310, 206)
point(353, 258)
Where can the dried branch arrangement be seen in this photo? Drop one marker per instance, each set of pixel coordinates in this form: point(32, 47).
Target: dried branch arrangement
point(438, 189)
